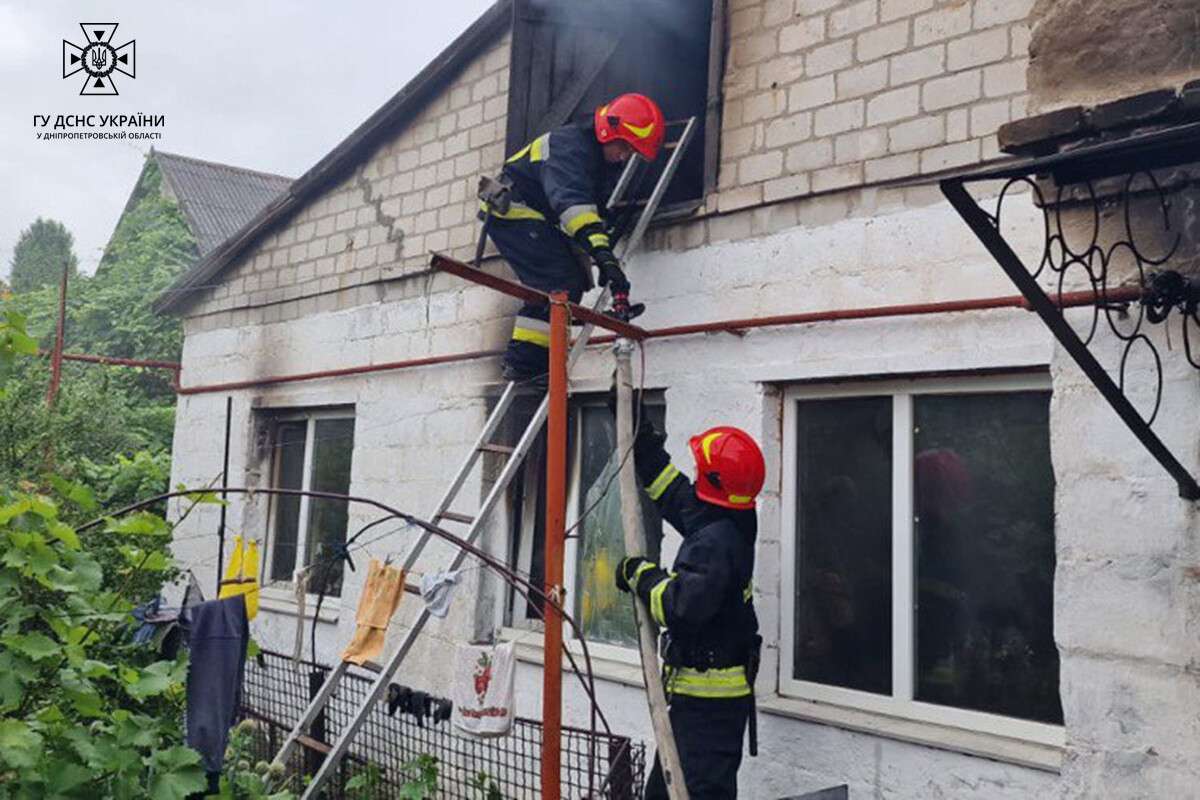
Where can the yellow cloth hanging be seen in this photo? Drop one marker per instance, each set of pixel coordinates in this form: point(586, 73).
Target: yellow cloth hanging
point(380, 597)
point(241, 575)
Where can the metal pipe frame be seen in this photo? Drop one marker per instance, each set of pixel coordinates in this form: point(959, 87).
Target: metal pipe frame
point(1068, 300)
point(525, 294)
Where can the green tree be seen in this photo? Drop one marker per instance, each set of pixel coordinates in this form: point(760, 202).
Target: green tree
point(41, 252)
point(149, 249)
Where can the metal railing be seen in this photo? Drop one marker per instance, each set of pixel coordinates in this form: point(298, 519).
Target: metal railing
point(275, 694)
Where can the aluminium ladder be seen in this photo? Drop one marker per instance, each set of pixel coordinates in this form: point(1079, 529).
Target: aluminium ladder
point(442, 512)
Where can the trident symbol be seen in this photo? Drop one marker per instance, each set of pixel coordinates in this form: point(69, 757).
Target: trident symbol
point(99, 59)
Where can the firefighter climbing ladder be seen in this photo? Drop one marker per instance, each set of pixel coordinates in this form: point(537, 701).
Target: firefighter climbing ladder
point(442, 513)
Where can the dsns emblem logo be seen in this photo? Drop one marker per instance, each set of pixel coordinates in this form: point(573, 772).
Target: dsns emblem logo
point(98, 58)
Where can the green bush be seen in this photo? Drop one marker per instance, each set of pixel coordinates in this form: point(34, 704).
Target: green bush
point(83, 714)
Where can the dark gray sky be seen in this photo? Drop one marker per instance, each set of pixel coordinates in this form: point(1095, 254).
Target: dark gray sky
point(270, 84)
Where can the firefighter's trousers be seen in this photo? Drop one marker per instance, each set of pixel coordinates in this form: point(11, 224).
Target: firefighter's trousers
point(543, 259)
point(709, 736)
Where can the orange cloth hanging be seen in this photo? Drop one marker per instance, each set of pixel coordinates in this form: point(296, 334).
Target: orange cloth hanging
point(380, 597)
point(241, 575)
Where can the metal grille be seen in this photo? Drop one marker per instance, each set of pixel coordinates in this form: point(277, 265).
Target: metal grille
point(275, 694)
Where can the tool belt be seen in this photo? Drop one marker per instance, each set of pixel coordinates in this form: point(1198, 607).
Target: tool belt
point(721, 674)
point(691, 655)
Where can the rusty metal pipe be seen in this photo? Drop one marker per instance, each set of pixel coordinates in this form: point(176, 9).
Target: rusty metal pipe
point(56, 356)
point(556, 524)
point(1123, 294)
point(336, 373)
point(113, 361)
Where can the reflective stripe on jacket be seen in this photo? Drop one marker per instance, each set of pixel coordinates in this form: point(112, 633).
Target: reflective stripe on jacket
point(560, 176)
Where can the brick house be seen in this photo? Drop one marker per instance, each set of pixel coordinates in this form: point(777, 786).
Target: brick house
point(971, 581)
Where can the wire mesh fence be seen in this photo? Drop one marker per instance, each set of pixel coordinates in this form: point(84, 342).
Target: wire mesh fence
point(389, 750)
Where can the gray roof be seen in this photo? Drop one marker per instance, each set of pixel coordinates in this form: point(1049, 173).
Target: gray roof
point(217, 200)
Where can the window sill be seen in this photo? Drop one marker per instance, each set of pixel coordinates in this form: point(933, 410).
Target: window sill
point(622, 665)
point(609, 662)
point(278, 600)
point(945, 737)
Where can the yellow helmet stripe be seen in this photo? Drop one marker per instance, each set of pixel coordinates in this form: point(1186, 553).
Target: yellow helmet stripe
point(706, 445)
point(641, 133)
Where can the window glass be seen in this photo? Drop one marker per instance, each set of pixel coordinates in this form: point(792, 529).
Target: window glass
point(289, 454)
point(333, 445)
point(984, 509)
point(843, 611)
point(603, 612)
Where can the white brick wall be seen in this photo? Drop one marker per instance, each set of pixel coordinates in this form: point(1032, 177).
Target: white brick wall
point(816, 69)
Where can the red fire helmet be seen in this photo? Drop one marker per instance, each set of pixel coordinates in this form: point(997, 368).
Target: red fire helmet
point(633, 118)
point(729, 467)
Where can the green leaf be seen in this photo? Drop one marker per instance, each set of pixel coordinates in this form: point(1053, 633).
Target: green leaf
point(154, 679)
point(20, 747)
point(41, 557)
point(65, 534)
point(80, 575)
point(65, 778)
point(13, 510)
point(136, 731)
point(36, 646)
point(142, 523)
point(176, 774)
point(87, 704)
point(22, 343)
point(208, 498)
point(77, 493)
point(82, 694)
point(96, 669)
point(145, 559)
point(43, 506)
point(15, 672)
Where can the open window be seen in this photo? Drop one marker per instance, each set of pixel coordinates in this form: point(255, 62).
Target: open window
point(570, 57)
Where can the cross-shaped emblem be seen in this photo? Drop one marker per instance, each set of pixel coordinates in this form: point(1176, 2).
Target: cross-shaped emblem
point(98, 58)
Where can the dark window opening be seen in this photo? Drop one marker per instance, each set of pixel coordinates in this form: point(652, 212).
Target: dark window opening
point(569, 58)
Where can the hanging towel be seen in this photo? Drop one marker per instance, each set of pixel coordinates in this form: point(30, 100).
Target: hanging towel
point(437, 590)
point(241, 576)
point(300, 586)
point(218, 632)
point(484, 683)
point(380, 596)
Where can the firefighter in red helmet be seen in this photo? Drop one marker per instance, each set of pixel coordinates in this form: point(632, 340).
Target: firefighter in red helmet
point(705, 603)
point(548, 201)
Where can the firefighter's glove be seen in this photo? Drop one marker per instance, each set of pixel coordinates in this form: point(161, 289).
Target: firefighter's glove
point(610, 271)
point(633, 569)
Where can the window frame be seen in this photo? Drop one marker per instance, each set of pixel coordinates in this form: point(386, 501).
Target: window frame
point(902, 703)
point(514, 626)
point(310, 418)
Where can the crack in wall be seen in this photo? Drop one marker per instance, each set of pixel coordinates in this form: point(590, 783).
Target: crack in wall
point(395, 234)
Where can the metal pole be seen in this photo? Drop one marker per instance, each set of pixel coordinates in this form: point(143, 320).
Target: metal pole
point(224, 493)
point(556, 501)
point(56, 357)
point(635, 544)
